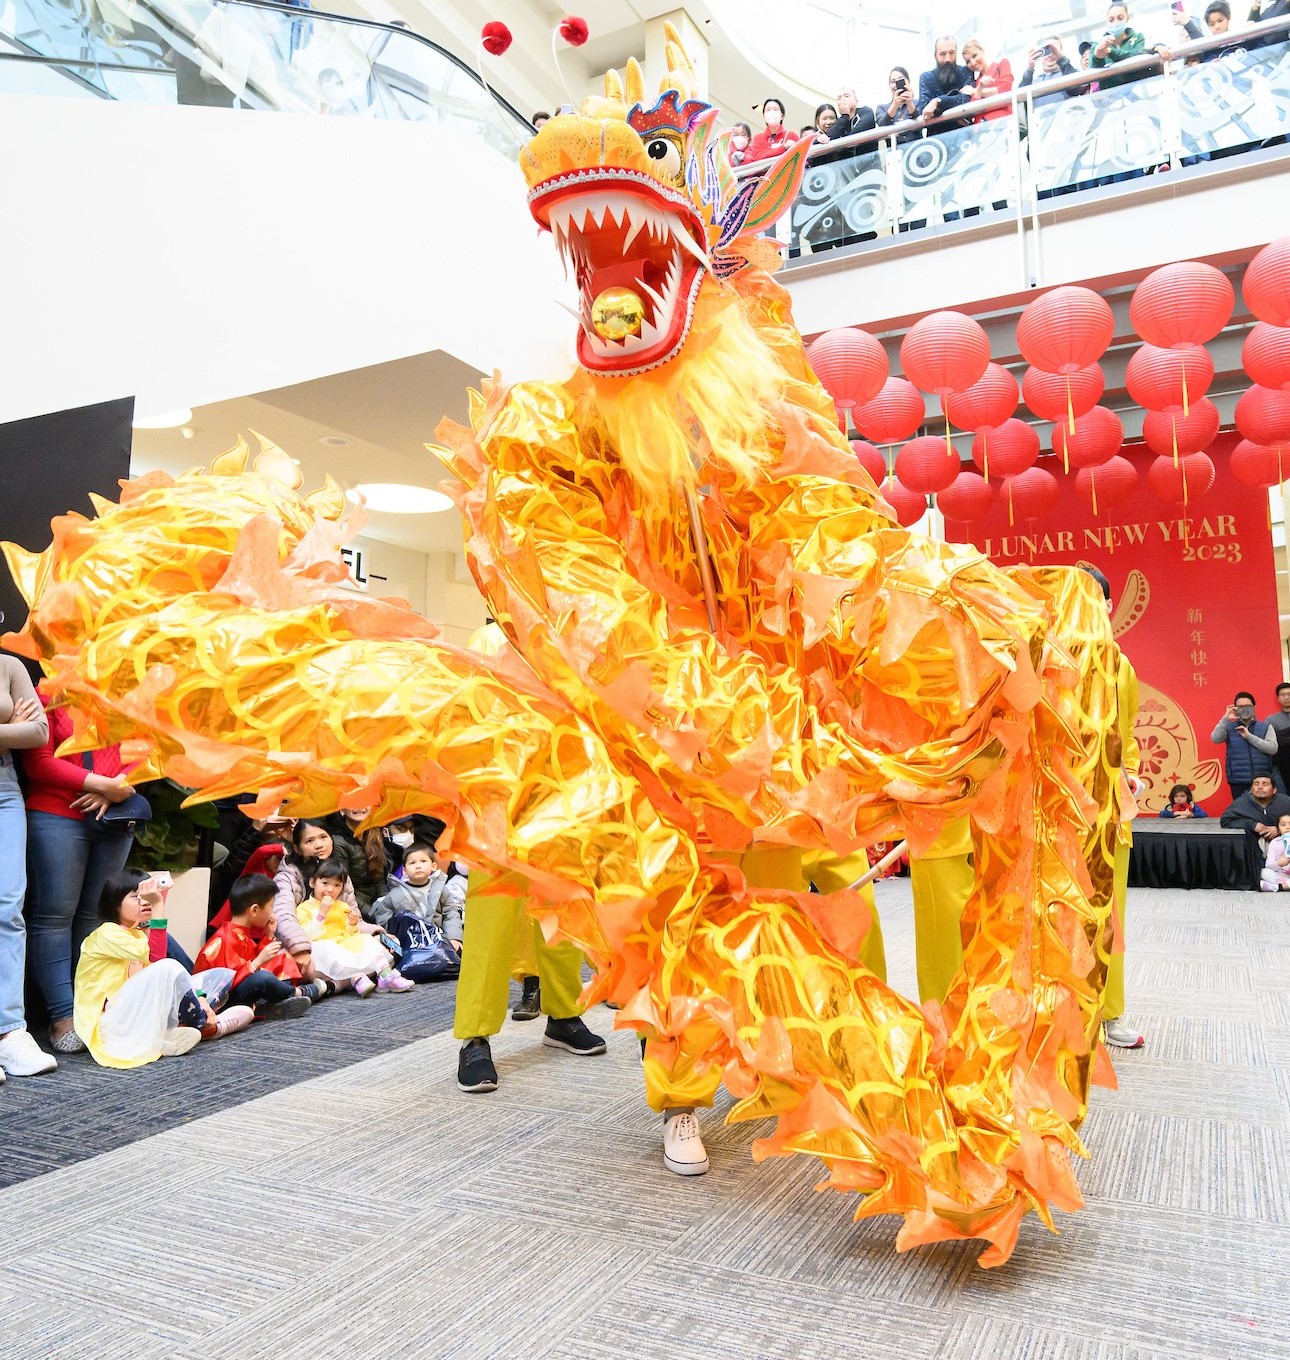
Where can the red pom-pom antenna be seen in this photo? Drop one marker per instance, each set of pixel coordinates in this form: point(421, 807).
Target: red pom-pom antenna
point(496, 38)
point(573, 30)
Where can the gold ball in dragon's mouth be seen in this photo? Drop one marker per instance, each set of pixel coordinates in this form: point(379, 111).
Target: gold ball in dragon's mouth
point(617, 313)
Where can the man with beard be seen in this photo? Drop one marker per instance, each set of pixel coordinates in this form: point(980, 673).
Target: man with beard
point(945, 86)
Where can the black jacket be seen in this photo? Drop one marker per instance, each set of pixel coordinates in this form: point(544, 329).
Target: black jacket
point(1246, 813)
point(861, 120)
point(929, 88)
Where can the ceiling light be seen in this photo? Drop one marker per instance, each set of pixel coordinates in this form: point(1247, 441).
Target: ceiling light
point(397, 498)
point(335, 441)
point(167, 420)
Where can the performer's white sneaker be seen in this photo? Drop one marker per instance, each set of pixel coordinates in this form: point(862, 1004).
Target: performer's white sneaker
point(683, 1150)
point(1119, 1035)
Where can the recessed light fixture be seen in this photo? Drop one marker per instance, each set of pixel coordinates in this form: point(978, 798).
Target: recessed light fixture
point(167, 420)
point(397, 498)
point(336, 441)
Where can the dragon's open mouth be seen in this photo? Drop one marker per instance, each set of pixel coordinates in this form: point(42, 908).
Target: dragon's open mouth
point(637, 268)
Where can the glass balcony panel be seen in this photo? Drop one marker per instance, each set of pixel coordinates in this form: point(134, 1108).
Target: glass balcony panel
point(248, 56)
point(1098, 137)
point(1238, 99)
point(956, 172)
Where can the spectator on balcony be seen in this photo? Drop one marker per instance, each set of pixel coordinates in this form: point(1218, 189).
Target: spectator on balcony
point(990, 78)
point(1047, 62)
point(903, 107)
point(774, 139)
point(825, 117)
point(539, 118)
point(1261, 13)
point(1121, 42)
point(852, 117)
point(737, 144)
point(946, 86)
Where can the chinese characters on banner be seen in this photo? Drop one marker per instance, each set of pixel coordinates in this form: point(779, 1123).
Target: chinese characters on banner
point(1195, 606)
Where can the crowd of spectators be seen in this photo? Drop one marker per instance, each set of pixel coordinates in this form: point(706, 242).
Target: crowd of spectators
point(300, 910)
point(948, 95)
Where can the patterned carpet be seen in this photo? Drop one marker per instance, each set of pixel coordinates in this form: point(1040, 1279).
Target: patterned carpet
point(372, 1207)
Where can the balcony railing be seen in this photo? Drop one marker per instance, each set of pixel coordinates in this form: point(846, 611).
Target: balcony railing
point(246, 54)
point(1209, 99)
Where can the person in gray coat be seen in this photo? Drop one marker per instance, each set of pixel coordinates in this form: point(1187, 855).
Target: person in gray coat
point(426, 891)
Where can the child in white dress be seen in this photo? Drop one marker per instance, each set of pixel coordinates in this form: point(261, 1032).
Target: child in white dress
point(345, 947)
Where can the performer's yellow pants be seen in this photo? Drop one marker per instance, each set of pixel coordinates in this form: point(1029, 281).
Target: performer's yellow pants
point(524, 951)
point(942, 879)
point(1113, 997)
point(675, 1083)
point(493, 919)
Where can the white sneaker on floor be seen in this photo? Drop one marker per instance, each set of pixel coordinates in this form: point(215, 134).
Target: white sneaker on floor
point(1119, 1035)
point(22, 1056)
point(683, 1150)
point(180, 1041)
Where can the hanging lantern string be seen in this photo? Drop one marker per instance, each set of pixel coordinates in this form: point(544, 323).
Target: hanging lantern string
point(1011, 518)
point(1173, 425)
point(1186, 410)
point(1070, 410)
point(1092, 481)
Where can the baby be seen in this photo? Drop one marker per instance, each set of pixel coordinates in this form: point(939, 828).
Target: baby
point(427, 891)
point(345, 947)
point(1276, 872)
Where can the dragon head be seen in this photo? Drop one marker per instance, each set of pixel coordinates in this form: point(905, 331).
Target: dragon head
point(643, 206)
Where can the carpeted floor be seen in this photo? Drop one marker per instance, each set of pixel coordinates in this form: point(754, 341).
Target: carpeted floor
point(372, 1207)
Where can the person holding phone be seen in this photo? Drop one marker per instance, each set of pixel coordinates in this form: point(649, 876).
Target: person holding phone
point(903, 107)
point(1261, 13)
point(1250, 745)
point(1121, 42)
point(1048, 62)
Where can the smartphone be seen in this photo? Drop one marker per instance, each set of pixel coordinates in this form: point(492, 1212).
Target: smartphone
point(901, 83)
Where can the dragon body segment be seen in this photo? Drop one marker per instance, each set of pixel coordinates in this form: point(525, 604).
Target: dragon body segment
point(721, 641)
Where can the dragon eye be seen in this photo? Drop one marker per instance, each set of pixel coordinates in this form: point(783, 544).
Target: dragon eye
point(666, 156)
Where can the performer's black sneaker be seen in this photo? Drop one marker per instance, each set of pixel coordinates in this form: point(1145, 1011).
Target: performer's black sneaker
point(529, 1006)
point(572, 1036)
point(475, 1070)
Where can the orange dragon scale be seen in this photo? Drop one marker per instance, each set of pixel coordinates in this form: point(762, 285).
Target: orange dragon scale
point(721, 645)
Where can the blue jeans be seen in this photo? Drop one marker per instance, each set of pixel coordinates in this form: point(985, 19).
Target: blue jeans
point(67, 865)
point(13, 887)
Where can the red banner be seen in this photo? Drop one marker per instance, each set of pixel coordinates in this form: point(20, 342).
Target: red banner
point(1195, 606)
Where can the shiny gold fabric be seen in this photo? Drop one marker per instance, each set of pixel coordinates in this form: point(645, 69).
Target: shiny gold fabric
point(862, 684)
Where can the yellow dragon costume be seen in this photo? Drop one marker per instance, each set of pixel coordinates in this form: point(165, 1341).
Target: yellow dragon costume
point(721, 640)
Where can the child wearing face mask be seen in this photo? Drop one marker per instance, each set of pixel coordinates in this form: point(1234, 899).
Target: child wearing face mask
point(1250, 745)
point(737, 143)
point(775, 138)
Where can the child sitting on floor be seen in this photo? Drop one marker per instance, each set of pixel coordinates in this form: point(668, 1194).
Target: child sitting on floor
point(427, 891)
point(344, 945)
point(1180, 803)
point(129, 1011)
point(265, 976)
point(1276, 872)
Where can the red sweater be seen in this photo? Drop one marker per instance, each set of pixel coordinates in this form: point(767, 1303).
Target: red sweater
point(234, 946)
point(55, 782)
point(768, 143)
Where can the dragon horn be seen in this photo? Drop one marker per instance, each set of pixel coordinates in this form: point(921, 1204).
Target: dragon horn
point(635, 82)
point(613, 85)
point(681, 75)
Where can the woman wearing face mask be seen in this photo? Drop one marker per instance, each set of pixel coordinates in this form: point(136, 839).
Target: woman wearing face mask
point(1250, 745)
point(737, 143)
point(775, 138)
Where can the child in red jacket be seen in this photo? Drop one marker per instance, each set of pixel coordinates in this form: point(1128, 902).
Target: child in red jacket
point(265, 976)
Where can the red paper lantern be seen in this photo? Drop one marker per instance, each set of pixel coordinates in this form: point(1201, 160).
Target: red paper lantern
point(909, 505)
point(1263, 416)
point(1255, 465)
point(1187, 482)
point(1030, 494)
point(1058, 396)
point(1006, 451)
point(894, 414)
point(1065, 330)
point(967, 499)
point(1266, 285)
point(1182, 304)
point(1159, 379)
point(850, 363)
point(1266, 355)
point(1172, 433)
point(870, 459)
point(927, 465)
point(1097, 438)
point(944, 353)
point(989, 401)
point(1112, 483)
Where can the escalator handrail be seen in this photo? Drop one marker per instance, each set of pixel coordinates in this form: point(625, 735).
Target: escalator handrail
point(298, 12)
